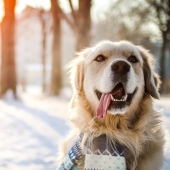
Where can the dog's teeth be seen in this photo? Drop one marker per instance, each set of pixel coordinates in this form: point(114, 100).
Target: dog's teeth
point(117, 100)
point(125, 98)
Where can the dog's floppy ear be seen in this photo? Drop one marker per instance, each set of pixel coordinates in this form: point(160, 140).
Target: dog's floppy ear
point(152, 80)
point(76, 70)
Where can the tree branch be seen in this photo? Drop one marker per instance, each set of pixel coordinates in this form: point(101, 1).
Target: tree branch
point(73, 12)
point(62, 14)
point(158, 8)
point(159, 5)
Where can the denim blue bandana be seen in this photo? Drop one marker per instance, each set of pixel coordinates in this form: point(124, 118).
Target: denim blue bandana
point(101, 154)
point(73, 158)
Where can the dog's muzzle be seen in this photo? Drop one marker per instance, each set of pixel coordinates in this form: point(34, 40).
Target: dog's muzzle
point(119, 97)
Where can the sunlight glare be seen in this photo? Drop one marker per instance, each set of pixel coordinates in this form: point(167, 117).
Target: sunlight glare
point(46, 4)
point(1, 10)
point(21, 4)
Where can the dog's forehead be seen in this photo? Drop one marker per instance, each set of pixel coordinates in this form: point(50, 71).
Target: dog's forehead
point(109, 49)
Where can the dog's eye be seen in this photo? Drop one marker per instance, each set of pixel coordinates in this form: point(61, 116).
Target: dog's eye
point(100, 58)
point(133, 59)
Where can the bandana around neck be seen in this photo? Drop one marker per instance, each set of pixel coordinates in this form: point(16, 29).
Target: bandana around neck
point(101, 154)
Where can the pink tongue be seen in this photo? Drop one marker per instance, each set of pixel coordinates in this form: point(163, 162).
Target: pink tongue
point(103, 105)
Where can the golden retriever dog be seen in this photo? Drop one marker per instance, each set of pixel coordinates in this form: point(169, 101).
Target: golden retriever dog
point(114, 85)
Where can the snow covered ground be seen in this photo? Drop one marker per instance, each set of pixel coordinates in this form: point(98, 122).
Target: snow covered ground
point(31, 128)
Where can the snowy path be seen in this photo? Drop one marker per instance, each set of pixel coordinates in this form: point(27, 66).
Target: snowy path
point(31, 128)
point(30, 131)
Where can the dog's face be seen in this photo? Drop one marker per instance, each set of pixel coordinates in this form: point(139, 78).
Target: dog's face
point(114, 77)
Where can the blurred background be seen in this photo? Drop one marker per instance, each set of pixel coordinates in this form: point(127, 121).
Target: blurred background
point(37, 39)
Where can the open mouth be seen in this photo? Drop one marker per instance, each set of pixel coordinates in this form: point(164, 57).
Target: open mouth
point(118, 94)
point(118, 98)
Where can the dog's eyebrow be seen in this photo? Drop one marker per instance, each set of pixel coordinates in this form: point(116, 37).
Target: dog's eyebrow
point(128, 53)
point(106, 53)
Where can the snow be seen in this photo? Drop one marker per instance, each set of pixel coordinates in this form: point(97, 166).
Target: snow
point(30, 130)
point(32, 127)
point(164, 105)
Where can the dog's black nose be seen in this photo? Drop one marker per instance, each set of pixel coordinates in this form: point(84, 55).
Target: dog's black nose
point(120, 67)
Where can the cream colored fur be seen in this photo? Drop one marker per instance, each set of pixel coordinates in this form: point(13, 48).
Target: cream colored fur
point(139, 126)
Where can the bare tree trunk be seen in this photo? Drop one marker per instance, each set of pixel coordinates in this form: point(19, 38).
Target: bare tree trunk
point(162, 59)
point(8, 72)
point(42, 19)
point(56, 77)
point(81, 26)
point(164, 49)
point(162, 9)
point(84, 24)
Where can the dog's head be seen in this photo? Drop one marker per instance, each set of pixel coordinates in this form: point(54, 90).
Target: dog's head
point(114, 77)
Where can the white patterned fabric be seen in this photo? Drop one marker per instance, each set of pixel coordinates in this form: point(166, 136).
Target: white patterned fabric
point(104, 162)
point(103, 154)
